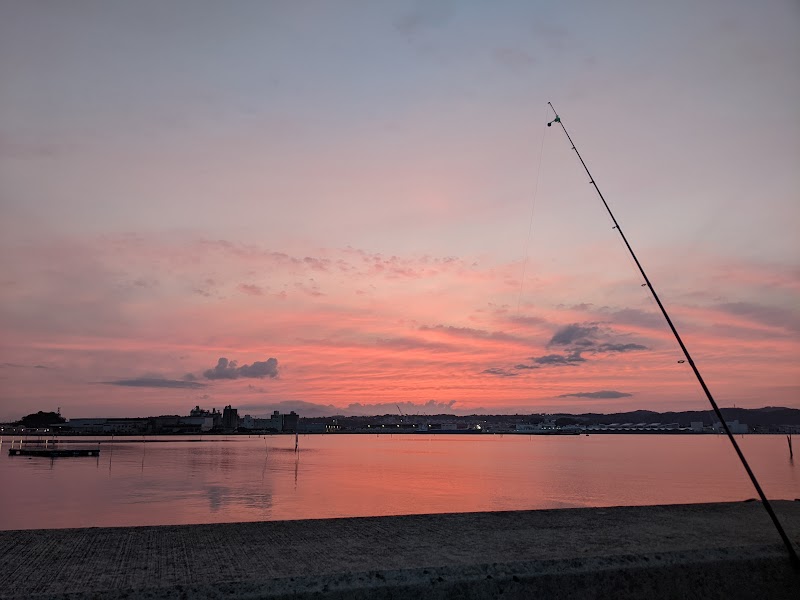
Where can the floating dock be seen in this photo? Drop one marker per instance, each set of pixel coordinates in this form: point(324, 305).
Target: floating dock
point(53, 452)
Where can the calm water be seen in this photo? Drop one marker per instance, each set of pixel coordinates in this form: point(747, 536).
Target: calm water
point(249, 479)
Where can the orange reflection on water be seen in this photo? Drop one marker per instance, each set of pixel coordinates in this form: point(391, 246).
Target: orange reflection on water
point(243, 478)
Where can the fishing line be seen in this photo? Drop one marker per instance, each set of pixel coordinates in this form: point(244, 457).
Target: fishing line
point(688, 357)
point(530, 221)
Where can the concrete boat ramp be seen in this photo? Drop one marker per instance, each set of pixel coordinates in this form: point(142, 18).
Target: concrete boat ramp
point(728, 550)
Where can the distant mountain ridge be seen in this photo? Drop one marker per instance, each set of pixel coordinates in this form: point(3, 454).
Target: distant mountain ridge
point(769, 415)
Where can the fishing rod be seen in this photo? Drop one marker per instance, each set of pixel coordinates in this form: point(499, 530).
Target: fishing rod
point(789, 546)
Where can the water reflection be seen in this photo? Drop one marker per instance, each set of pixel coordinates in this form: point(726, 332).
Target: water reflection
point(240, 479)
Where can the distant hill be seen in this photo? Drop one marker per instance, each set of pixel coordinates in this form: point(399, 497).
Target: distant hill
point(770, 415)
point(753, 417)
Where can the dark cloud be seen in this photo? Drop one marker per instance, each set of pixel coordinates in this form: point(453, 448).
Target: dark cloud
point(569, 359)
point(574, 355)
point(574, 334)
point(618, 347)
point(585, 343)
point(499, 372)
point(602, 394)
point(155, 382)
point(578, 339)
point(260, 369)
point(226, 369)
point(550, 359)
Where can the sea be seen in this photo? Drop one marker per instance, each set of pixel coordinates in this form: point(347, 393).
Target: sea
point(213, 479)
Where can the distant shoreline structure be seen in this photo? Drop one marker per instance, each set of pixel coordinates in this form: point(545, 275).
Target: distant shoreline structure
point(775, 420)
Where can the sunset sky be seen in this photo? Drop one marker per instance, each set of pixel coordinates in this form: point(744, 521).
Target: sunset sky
point(337, 206)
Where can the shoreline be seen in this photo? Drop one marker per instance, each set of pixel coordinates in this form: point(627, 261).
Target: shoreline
point(201, 437)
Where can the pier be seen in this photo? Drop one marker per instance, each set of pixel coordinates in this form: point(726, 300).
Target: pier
point(726, 550)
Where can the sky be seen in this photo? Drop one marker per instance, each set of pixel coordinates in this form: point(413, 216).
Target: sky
point(356, 207)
